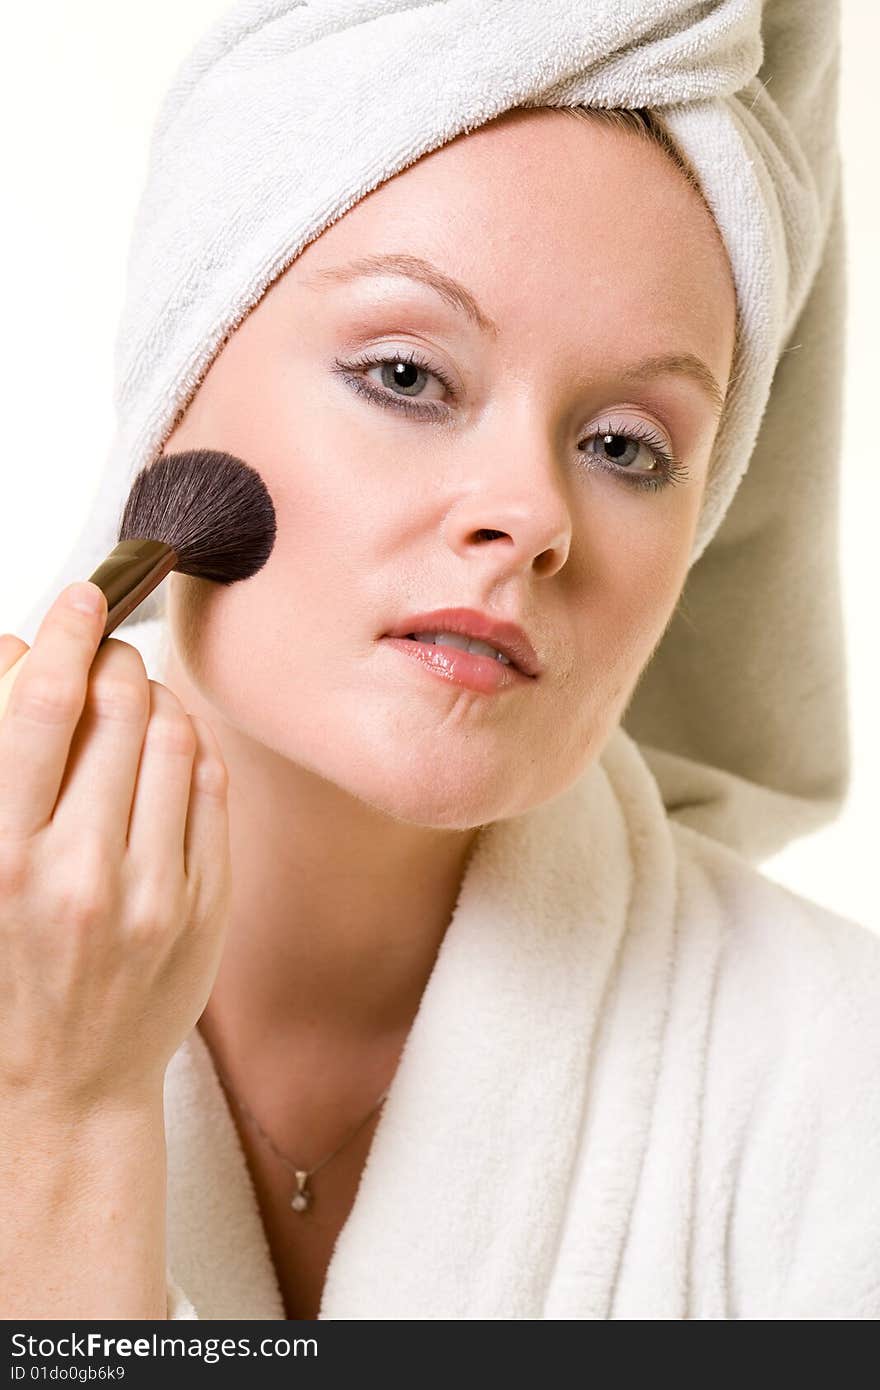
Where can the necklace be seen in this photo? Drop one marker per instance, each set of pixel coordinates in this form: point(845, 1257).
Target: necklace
point(302, 1197)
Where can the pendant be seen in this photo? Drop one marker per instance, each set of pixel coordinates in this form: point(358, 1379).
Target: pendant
point(302, 1198)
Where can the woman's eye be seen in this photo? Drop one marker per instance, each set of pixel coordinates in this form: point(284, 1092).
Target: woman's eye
point(620, 451)
point(624, 450)
point(403, 376)
point(399, 383)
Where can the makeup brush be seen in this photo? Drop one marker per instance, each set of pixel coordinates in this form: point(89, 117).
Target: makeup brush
point(201, 512)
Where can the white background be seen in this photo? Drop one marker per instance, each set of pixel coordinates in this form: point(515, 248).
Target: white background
point(81, 86)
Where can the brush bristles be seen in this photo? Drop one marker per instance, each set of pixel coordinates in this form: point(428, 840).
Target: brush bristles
point(211, 508)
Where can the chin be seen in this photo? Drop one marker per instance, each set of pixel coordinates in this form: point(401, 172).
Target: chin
point(448, 794)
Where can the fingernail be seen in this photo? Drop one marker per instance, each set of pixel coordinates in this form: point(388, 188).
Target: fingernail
point(87, 598)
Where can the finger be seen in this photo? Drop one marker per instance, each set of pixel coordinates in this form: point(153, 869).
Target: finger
point(97, 789)
point(11, 648)
point(206, 846)
point(44, 707)
point(157, 825)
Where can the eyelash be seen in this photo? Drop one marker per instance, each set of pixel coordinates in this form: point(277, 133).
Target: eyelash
point(671, 469)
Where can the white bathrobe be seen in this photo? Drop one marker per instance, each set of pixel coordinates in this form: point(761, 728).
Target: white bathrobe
point(643, 1082)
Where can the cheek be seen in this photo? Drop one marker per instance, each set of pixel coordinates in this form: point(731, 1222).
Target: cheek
point(332, 482)
point(242, 657)
point(637, 579)
point(204, 624)
point(188, 602)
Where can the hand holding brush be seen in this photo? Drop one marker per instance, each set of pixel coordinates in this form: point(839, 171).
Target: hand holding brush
point(114, 897)
point(203, 513)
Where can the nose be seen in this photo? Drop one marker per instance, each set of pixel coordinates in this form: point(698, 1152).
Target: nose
point(514, 501)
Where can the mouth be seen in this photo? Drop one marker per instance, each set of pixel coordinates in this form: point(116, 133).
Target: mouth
point(477, 634)
point(482, 670)
point(458, 641)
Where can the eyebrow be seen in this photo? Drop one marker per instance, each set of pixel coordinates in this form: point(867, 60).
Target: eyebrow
point(684, 364)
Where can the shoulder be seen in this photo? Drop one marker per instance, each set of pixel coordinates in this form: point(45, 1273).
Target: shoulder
point(791, 1109)
point(794, 1016)
point(770, 935)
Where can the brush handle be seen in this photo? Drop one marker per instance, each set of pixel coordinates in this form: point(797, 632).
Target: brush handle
point(7, 681)
point(130, 572)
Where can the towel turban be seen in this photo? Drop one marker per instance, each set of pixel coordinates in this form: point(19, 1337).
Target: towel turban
point(285, 114)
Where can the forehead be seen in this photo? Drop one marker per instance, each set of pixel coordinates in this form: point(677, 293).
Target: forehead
point(540, 212)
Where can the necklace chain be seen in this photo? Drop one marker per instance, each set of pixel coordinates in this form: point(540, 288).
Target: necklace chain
point(302, 1197)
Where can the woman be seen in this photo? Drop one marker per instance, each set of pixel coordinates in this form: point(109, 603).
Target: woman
point(626, 1075)
point(359, 779)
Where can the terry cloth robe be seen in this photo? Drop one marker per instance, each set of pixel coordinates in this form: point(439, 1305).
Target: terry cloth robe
point(643, 1082)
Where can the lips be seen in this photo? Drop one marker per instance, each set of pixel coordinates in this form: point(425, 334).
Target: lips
point(509, 638)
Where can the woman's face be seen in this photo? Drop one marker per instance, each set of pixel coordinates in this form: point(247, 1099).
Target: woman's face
point(492, 473)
